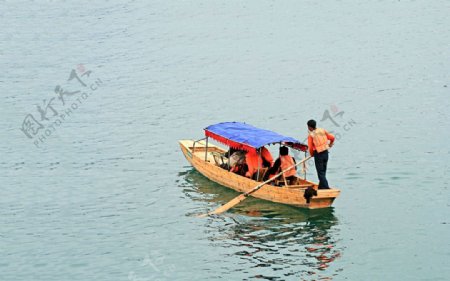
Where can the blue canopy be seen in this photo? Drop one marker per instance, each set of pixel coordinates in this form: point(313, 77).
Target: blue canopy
point(243, 136)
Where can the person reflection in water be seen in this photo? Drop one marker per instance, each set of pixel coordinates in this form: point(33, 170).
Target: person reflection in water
point(283, 236)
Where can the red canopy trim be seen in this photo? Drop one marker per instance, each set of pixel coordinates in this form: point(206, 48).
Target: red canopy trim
point(296, 146)
point(230, 143)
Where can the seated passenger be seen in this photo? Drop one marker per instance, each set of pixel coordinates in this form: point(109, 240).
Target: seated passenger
point(230, 152)
point(253, 161)
point(237, 162)
point(282, 163)
point(266, 157)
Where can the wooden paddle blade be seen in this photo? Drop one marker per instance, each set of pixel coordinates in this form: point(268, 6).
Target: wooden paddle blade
point(226, 207)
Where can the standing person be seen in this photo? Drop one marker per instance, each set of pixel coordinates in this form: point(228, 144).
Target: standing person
point(318, 147)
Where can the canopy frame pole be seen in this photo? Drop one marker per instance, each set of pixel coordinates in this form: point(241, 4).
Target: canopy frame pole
point(206, 149)
point(259, 157)
point(229, 156)
point(304, 168)
point(279, 157)
point(193, 145)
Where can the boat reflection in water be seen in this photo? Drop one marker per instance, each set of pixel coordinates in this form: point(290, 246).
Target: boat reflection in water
point(276, 241)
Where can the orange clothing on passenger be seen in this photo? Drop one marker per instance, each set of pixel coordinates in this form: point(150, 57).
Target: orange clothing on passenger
point(253, 161)
point(318, 140)
point(286, 162)
point(265, 154)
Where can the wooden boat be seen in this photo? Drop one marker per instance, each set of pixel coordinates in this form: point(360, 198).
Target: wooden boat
point(207, 159)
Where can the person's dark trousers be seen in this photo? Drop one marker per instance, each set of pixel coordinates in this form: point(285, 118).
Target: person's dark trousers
point(321, 160)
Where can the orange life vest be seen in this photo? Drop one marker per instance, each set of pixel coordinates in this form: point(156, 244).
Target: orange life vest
point(253, 161)
point(320, 139)
point(286, 162)
point(265, 154)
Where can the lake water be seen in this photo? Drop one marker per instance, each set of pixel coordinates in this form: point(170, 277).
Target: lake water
point(96, 188)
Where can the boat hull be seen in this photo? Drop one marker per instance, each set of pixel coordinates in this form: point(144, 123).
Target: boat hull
point(285, 195)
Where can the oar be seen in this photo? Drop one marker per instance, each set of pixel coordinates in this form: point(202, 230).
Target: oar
point(242, 197)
